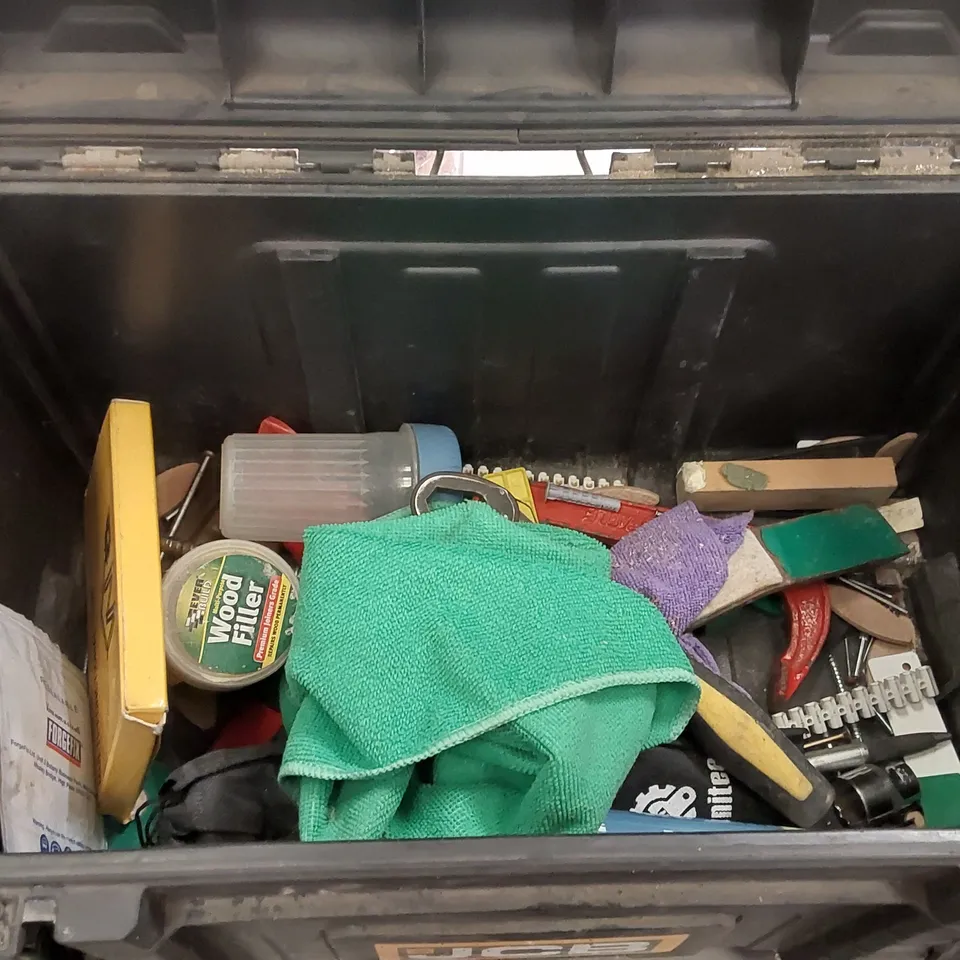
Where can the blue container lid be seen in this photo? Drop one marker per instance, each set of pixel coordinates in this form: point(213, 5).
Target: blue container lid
point(438, 450)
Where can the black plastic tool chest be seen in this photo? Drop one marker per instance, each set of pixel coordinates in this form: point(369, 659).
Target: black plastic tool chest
point(214, 205)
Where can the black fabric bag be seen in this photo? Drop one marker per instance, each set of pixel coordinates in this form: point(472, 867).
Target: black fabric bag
point(225, 796)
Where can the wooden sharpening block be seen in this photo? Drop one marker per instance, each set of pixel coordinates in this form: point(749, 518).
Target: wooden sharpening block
point(733, 485)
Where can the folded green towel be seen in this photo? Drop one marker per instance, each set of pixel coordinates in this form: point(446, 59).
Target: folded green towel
point(501, 652)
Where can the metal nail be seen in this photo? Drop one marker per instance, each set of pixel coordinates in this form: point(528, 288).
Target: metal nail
point(188, 499)
point(885, 722)
point(874, 593)
point(842, 688)
point(176, 548)
point(863, 651)
point(872, 587)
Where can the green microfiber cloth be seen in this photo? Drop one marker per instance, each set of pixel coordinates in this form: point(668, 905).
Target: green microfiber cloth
point(500, 653)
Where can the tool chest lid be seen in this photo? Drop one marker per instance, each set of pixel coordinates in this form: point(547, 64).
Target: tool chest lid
point(526, 71)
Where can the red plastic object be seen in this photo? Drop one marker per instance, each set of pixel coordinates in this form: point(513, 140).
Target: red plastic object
point(255, 725)
point(276, 425)
point(809, 609)
point(606, 525)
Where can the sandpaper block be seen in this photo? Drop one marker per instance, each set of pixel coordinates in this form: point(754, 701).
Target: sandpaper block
point(815, 547)
point(903, 515)
point(871, 616)
point(763, 485)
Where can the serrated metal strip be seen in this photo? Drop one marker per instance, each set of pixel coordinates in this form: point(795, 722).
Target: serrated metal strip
point(571, 480)
point(860, 703)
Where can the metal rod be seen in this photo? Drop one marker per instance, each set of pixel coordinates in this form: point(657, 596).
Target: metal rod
point(839, 758)
point(885, 722)
point(874, 593)
point(188, 499)
point(874, 588)
point(824, 741)
point(863, 651)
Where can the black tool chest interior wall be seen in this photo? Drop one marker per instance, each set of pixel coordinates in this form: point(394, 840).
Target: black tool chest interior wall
point(616, 333)
point(608, 327)
point(558, 325)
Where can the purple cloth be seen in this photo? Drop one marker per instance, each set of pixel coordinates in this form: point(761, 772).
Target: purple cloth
point(679, 561)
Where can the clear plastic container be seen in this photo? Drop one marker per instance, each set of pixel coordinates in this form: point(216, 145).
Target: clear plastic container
point(272, 486)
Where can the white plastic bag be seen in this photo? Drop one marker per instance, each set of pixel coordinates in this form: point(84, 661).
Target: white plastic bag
point(48, 799)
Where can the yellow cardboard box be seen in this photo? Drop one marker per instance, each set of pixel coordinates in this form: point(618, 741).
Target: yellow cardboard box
point(126, 668)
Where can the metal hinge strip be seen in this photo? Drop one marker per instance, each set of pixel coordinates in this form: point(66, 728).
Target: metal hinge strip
point(658, 161)
point(245, 161)
point(760, 161)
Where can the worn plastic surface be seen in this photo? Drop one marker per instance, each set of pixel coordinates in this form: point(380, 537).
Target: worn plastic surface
point(395, 64)
point(605, 328)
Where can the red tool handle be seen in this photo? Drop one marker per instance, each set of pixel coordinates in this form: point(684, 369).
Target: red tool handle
point(607, 525)
point(809, 609)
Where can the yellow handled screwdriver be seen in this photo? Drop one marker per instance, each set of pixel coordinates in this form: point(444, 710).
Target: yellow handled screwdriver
point(742, 737)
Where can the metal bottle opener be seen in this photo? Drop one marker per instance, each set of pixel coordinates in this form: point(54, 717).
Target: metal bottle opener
point(494, 496)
